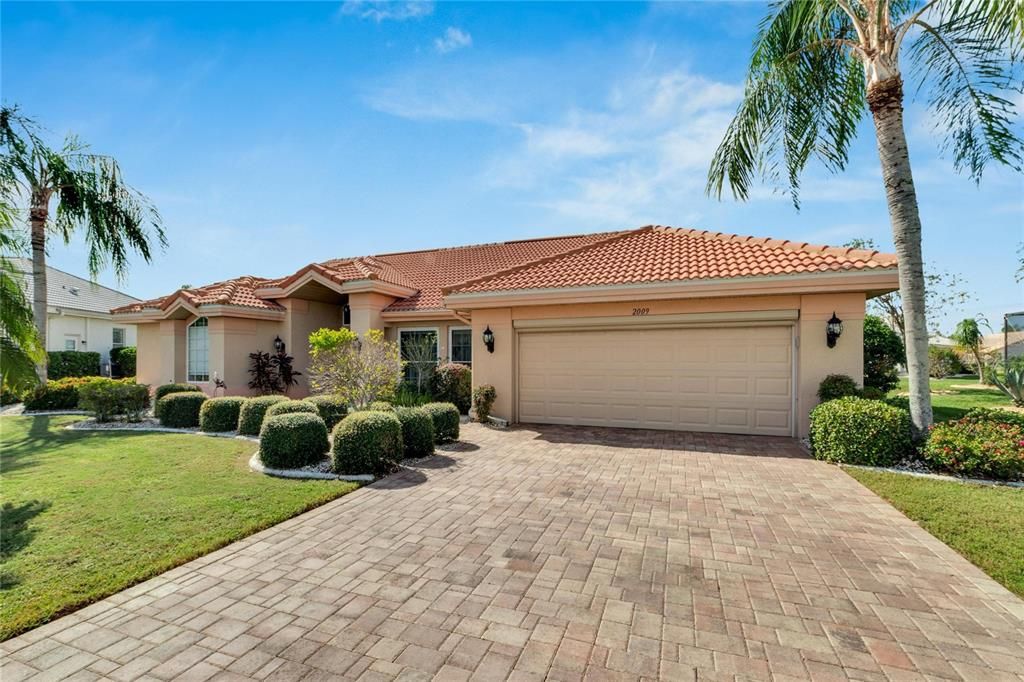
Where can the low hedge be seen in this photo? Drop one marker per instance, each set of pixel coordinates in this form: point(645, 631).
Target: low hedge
point(124, 360)
point(837, 386)
point(106, 398)
point(72, 363)
point(380, 406)
point(181, 410)
point(167, 389)
point(417, 431)
point(250, 417)
point(61, 394)
point(332, 409)
point(859, 431)
point(998, 416)
point(367, 443)
point(220, 414)
point(292, 440)
point(984, 445)
point(292, 407)
point(452, 382)
point(446, 421)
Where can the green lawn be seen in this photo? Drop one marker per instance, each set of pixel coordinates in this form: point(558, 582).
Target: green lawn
point(983, 523)
point(952, 398)
point(88, 514)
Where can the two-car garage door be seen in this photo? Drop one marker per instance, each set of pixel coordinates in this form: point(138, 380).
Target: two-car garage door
point(724, 379)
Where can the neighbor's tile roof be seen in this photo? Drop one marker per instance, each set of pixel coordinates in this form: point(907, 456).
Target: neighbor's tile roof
point(648, 254)
point(663, 254)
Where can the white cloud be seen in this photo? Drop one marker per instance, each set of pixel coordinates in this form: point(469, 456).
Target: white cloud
point(382, 10)
point(453, 39)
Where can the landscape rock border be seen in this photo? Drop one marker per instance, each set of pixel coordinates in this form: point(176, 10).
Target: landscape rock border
point(256, 465)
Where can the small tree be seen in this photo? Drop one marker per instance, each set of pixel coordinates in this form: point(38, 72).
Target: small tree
point(359, 371)
point(883, 352)
point(968, 337)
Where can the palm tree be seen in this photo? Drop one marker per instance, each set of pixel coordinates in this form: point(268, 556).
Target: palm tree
point(968, 337)
point(819, 65)
point(90, 194)
point(20, 350)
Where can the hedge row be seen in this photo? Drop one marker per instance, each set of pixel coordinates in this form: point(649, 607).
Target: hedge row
point(72, 363)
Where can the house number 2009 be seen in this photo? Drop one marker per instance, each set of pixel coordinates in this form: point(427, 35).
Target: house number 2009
point(641, 311)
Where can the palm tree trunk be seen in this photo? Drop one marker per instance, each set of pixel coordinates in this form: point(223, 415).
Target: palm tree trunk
point(886, 101)
point(38, 214)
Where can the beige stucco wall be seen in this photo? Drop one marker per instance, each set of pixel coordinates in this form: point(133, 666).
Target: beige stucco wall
point(148, 358)
point(305, 317)
point(815, 359)
point(365, 311)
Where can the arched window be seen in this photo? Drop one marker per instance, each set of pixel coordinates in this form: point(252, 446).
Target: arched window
point(199, 350)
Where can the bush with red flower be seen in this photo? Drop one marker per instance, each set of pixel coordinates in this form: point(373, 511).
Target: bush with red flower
point(983, 444)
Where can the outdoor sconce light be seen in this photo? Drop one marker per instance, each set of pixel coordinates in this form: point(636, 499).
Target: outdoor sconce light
point(489, 339)
point(278, 344)
point(833, 329)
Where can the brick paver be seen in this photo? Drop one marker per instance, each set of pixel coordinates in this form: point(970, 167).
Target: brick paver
point(563, 554)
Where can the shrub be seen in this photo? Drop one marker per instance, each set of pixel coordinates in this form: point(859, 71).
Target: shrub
point(379, 406)
point(483, 400)
point(872, 393)
point(883, 352)
point(977, 447)
point(61, 394)
point(943, 362)
point(360, 371)
point(106, 398)
point(123, 361)
point(446, 421)
point(417, 431)
point(332, 409)
point(9, 396)
point(901, 402)
point(408, 396)
point(837, 386)
point(998, 416)
point(181, 410)
point(857, 431)
point(292, 440)
point(453, 383)
point(168, 389)
point(250, 417)
point(72, 363)
point(220, 414)
point(292, 407)
point(367, 443)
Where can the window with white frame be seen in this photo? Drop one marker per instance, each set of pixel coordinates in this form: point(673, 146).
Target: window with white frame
point(118, 337)
point(198, 346)
point(418, 348)
point(460, 345)
point(70, 343)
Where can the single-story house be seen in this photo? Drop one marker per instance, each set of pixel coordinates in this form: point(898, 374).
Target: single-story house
point(655, 327)
point(78, 313)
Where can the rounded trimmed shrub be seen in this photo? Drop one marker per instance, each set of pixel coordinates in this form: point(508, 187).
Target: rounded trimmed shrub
point(292, 440)
point(977, 446)
point(380, 406)
point(167, 389)
point(181, 410)
point(453, 383)
point(417, 431)
point(857, 431)
point(292, 407)
point(106, 398)
point(332, 409)
point(367, 443)
point(483, 401)
point(250, 417)
point(446, 421)
point(837, 386)
point(220, 414)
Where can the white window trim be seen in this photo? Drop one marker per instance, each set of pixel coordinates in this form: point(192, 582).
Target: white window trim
point(188, 369)
point(124, 337)
point(460, 329)
point(73, 338)
point(437, 335)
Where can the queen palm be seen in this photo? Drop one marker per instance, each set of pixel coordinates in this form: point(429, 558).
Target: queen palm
point(819, 66)
point(968, 338)
point(89, 194)
point(20, 351)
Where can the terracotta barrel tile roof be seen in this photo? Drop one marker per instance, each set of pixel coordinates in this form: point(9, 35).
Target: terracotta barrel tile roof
point(649, 254)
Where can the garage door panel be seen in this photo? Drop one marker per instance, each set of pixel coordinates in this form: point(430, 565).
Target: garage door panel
point(731, 380)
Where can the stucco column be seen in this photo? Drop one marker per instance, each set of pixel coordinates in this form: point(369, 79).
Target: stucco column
point(172, 350)
point(365, 309)
point(816, 359)
point(495, 368)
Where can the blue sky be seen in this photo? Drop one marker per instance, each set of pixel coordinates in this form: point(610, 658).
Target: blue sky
point(274, 134)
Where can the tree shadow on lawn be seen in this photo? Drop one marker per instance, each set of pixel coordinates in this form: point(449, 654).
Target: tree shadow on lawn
point(15, 535)
point(43, 438)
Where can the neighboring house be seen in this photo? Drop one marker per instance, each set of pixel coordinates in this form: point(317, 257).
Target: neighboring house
point(78, 313)
point(655, 327)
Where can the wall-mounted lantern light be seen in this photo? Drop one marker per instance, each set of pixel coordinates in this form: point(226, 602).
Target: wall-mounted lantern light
point(833, 330)
point(489, 339)
point(278, 345)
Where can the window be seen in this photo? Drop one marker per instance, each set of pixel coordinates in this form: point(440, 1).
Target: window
point(419, 350)
point(346, 316)
point(118, 341)
point(70, 343)
point(199, 350)
point(460, 345)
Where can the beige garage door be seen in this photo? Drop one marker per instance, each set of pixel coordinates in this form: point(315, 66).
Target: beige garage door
point(726, 380)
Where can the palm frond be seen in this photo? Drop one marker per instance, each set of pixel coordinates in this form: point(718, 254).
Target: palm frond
point(20, 350)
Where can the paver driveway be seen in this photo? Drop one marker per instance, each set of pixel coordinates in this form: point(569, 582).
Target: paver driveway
point(567, 554)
